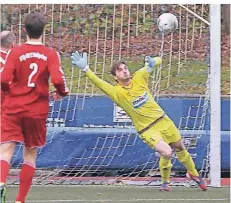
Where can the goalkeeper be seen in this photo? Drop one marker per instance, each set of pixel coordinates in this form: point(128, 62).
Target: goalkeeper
point(154, 127)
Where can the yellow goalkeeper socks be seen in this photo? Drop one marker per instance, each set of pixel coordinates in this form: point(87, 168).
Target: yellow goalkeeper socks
point(165, 169)
point(185, 158)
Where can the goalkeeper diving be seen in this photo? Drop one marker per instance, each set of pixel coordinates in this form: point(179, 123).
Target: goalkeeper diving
point(154, 127)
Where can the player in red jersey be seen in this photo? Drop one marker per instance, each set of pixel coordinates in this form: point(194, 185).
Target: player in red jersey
point(26, 106)
point(7, 39)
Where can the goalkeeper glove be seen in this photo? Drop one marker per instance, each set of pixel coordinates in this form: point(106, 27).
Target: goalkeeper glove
point(150, 62)
point(80, 60)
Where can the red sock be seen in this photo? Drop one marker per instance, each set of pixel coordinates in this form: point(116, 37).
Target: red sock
point(25, 180)
point(5, 168)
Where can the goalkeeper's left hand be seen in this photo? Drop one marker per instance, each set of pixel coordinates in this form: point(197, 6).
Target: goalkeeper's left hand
point(80, 60)
point(150, 62)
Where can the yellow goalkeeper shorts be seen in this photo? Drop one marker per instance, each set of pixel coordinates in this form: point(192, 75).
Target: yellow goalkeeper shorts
point(164, 129)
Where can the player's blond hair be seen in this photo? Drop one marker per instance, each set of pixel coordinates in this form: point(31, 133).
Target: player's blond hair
point(7, 38)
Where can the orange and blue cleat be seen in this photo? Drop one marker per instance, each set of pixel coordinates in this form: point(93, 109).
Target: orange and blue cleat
point(199, 180)
point(165, 187)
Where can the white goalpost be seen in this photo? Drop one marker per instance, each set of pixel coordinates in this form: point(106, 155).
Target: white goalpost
point(215, 85)
point(215, 91)
point(92, 141)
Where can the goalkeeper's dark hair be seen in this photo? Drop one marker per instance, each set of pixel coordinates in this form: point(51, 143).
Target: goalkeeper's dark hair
point(115, 66)
point(34, 24)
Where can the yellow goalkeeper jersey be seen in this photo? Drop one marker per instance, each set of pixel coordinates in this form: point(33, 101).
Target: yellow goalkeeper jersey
point(135, 99)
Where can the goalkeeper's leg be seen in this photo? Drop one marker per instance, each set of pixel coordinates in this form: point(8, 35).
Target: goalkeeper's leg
point(172, 136)
point(165, 171)
point(185, 158)
point(155, 140)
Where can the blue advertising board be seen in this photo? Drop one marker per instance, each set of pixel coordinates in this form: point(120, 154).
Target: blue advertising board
point(88, 132)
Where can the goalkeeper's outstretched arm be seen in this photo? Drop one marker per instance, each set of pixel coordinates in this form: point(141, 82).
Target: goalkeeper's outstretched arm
point(150, 64)
point(107, 88)
point(81, 61)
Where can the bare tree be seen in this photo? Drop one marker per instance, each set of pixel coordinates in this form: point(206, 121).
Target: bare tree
point(225, 16)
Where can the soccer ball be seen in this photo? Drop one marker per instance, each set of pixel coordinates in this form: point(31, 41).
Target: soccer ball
point(167, 23)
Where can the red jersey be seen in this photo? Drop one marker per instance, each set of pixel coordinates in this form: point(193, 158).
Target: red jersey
point(2, 63)
point(31, 65)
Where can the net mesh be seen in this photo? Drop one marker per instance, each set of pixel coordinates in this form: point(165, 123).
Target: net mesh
point(109, 33)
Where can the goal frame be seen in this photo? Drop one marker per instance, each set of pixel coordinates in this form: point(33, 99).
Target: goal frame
point(215, 95)
point(215, 91)
point(214, 87)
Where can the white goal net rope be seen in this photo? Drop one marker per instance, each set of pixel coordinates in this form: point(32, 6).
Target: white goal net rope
point(109, 33)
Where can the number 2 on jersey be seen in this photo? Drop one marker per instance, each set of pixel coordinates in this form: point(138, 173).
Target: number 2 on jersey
point(34, 67)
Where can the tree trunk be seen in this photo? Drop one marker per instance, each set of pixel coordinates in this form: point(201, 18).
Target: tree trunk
point(225, 16)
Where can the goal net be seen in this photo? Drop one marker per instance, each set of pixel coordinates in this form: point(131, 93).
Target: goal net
point(92, 141)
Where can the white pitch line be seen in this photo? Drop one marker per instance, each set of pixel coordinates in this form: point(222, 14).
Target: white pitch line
point(125, 200)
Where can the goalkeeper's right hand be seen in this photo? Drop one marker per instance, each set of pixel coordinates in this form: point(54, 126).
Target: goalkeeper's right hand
point(150, 62)
point(80, 60)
